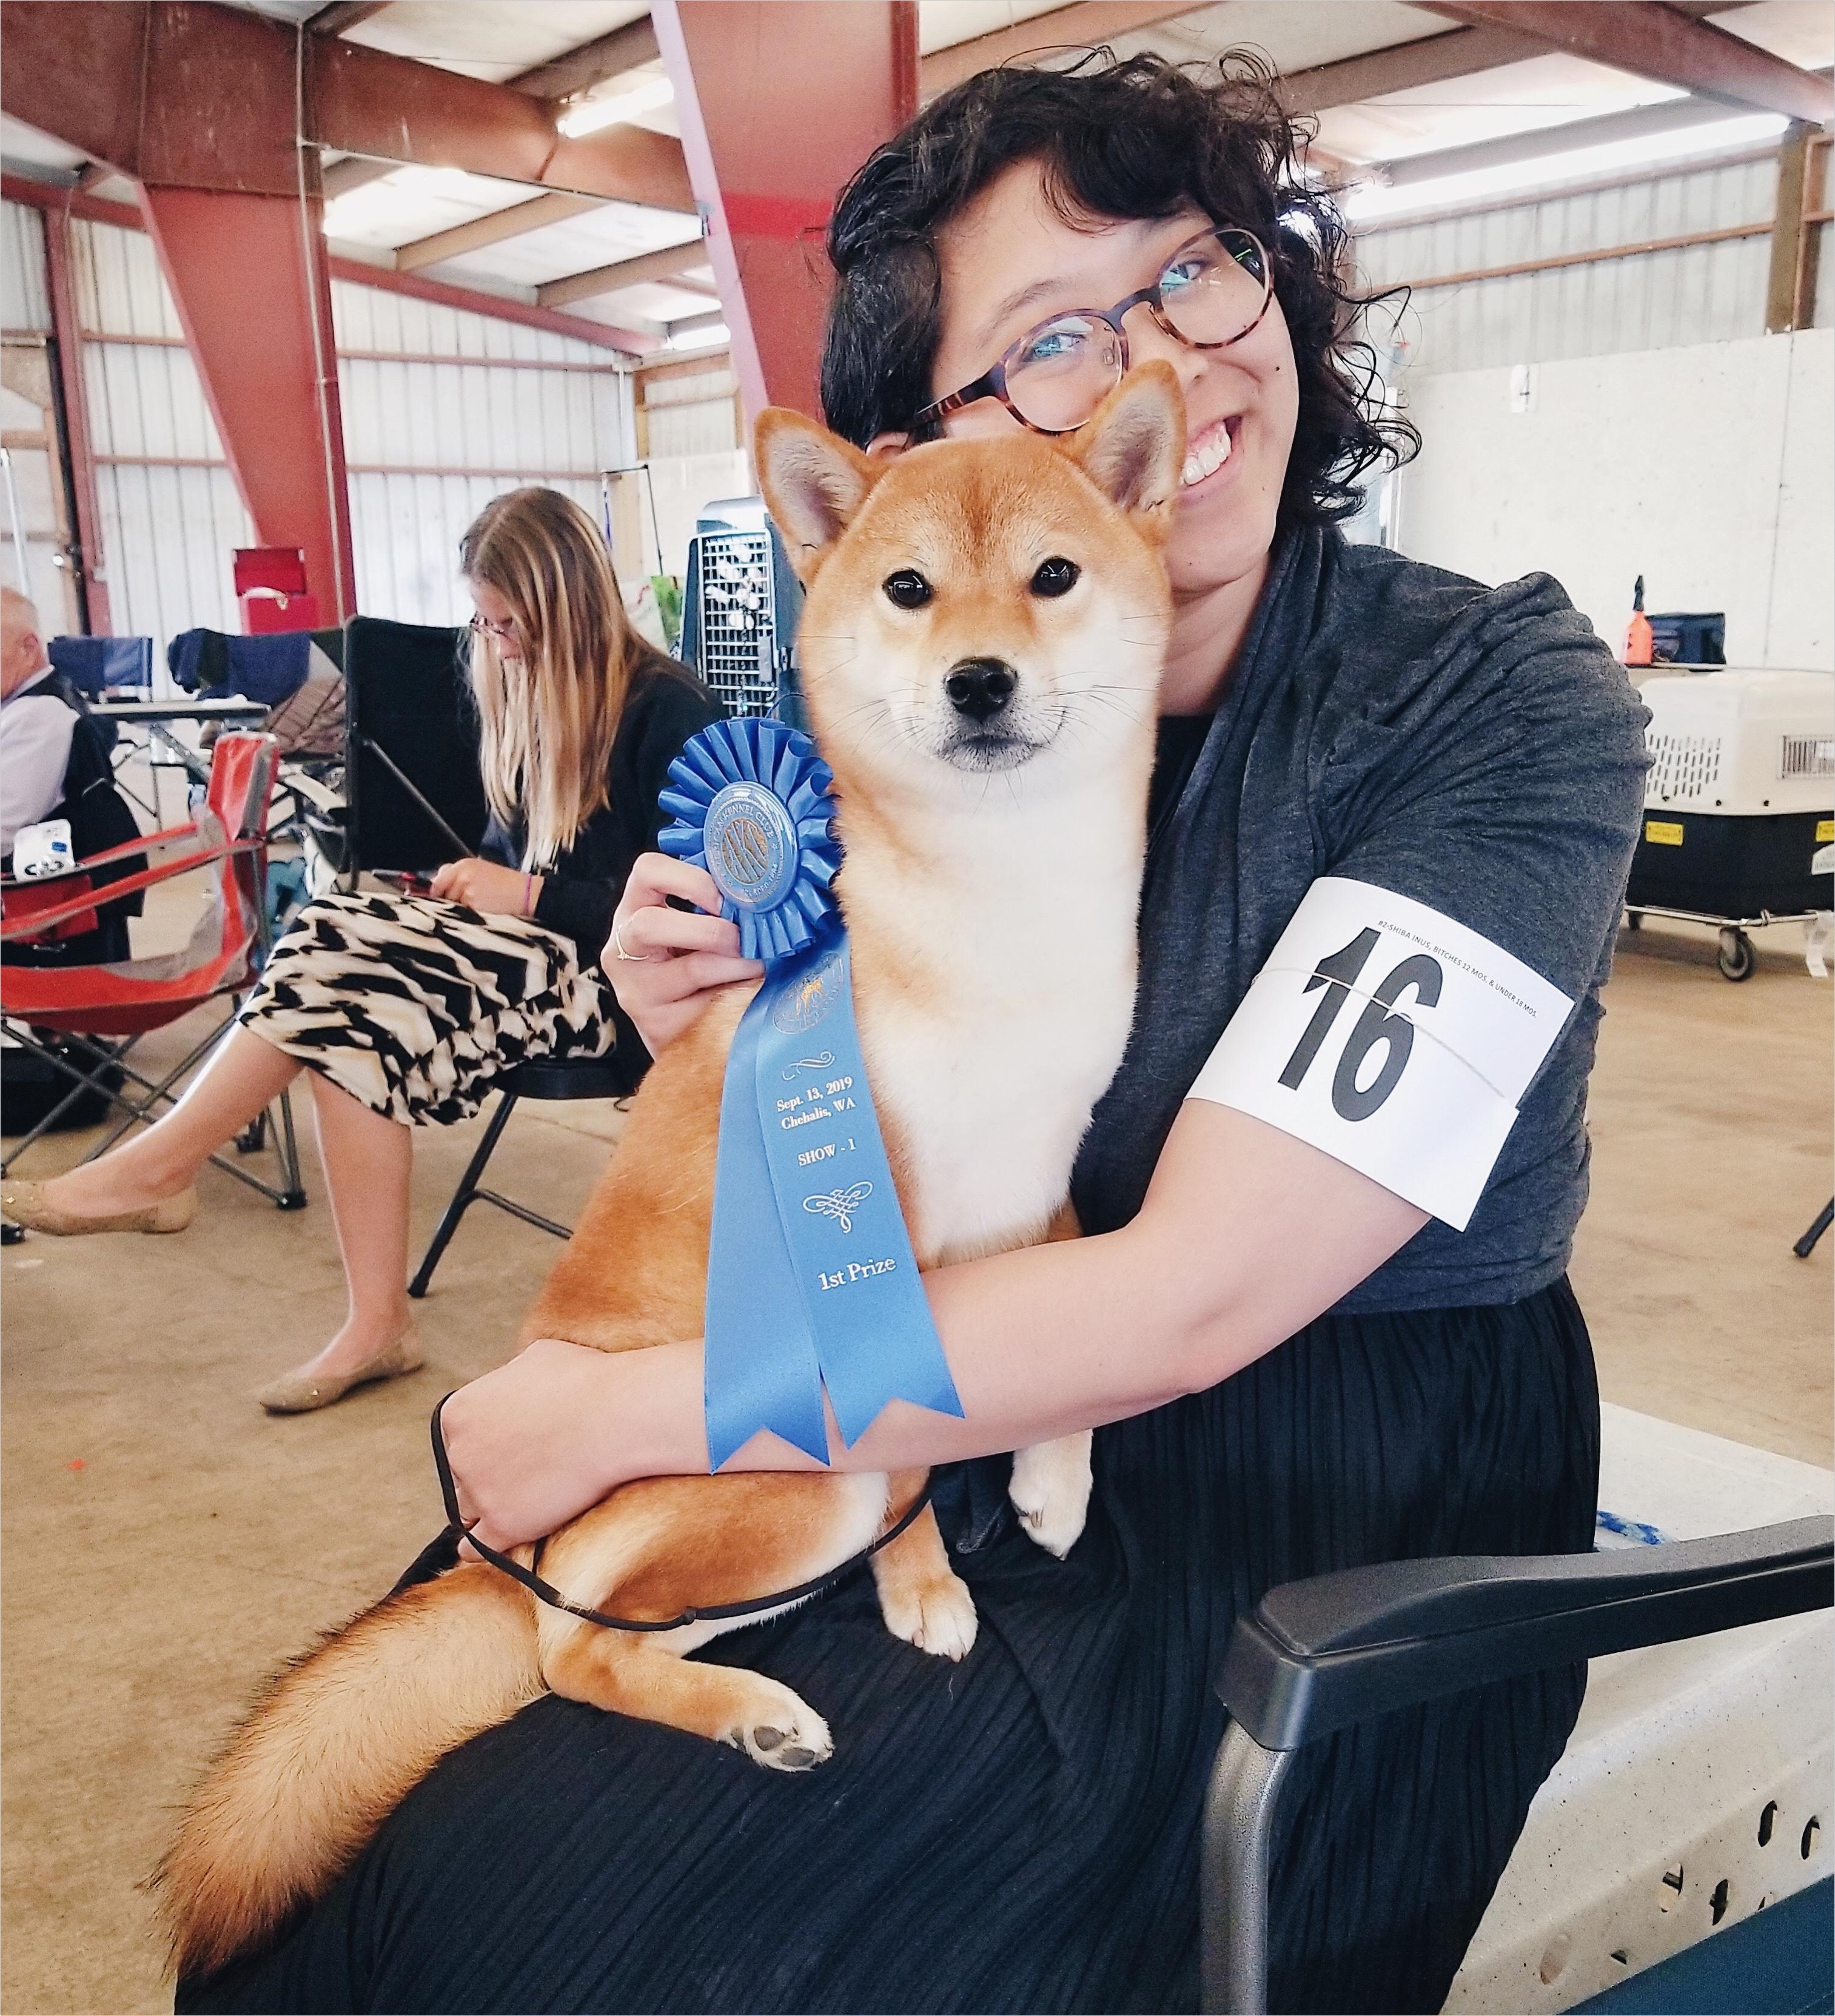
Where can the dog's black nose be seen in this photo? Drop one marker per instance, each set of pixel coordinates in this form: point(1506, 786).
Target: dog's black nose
point(980, 687)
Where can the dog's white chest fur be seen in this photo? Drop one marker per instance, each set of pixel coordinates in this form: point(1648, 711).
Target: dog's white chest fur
point(986, 1075)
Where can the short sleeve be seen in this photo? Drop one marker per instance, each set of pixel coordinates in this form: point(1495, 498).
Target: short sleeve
point(1475, 820)
point(1502, 786)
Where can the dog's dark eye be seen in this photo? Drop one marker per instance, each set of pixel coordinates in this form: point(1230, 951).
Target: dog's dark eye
point(1055, 576)
point(908, 588)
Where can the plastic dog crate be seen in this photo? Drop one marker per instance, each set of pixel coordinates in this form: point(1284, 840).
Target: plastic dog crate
point(1742, 775)
point(1741, 793)
point(1698, 1788)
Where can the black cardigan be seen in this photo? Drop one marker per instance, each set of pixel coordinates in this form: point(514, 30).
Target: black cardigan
point(666, 704)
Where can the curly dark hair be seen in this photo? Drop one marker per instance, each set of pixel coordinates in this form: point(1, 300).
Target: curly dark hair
point(1140, 138)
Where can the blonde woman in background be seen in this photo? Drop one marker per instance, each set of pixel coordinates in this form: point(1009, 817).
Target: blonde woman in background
point(405, 1009)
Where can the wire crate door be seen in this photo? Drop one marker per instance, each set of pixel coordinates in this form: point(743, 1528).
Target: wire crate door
point(738, 621)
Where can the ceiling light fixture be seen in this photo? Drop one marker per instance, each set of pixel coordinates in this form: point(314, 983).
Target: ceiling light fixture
point(372, 203)
point(714, 335)
point(588, 115)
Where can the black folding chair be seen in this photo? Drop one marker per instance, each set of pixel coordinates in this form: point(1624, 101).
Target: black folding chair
point(586, 1078)
point(1342, 1649)
point(415, 798)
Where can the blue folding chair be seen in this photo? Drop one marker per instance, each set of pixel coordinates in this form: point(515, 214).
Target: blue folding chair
point(105, 668)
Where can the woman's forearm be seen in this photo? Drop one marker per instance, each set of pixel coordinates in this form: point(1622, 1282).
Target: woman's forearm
point(1245, 1236)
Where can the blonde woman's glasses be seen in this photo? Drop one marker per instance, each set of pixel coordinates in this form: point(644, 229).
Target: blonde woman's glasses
point(1210, 293)
point(500, 633)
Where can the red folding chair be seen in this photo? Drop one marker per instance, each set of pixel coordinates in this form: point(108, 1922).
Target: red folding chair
point(91, 1003)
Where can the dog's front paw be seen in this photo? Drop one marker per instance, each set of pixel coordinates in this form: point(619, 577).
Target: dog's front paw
point(781, 1731)
point(937, 1616)
point(1051, 1491)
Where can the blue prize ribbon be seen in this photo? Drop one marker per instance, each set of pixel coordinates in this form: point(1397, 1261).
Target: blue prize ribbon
point(811, 1282)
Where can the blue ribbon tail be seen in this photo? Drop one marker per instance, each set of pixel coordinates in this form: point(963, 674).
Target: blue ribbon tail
point(761, 1369)
point(900, 1359)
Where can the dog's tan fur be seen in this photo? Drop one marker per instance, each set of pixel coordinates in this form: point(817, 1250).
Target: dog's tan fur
point(991, 912)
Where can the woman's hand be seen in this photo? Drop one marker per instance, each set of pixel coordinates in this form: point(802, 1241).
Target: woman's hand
point(543, 1439)
point(663, 963)
point(488, 886)
point(528, 1442)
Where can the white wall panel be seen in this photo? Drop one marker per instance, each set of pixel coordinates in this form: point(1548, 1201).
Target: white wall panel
point(168, 534)
point(704, 427)
point(120, 289)
point(146, 401)
point(24, 300)
point(1800, 620)
point(1707, 469)
point(406, 529)
point(443, 410)
point(375, 319)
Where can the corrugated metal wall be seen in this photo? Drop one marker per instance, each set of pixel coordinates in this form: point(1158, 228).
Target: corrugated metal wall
point(693, 415)
point(24, 303)
point(444, 410)
point(1656, 301)
point(26, 417)
point(169, 508)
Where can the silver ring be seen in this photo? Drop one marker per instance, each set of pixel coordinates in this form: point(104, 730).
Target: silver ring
point(617, 945)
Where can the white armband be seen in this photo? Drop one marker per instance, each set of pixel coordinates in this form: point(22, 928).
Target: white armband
point(1393, 1038)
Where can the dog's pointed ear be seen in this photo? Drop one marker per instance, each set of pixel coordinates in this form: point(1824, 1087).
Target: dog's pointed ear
point(1133, 446)
point(813, 483)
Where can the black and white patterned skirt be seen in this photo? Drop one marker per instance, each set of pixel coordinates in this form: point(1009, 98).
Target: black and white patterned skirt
point(415, 1007)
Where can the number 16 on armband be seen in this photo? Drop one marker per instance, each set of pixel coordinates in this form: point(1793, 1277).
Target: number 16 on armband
point(1395, 1039)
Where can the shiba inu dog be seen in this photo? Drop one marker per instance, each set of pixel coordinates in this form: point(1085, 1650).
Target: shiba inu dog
point(981, 643)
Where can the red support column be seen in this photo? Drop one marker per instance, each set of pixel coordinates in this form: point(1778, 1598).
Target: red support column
point(253, 294)
point(91, 587)
point(780, 102)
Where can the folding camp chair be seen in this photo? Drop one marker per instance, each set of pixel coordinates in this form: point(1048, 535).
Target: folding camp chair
point(105, 668)
point(93, 1003)
point(1342, 1649)
point(414, 797)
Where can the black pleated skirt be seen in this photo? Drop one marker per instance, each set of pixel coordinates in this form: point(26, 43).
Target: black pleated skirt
point(1021, 1832)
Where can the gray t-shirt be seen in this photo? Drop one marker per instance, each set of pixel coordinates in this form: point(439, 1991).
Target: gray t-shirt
point(1477, 749)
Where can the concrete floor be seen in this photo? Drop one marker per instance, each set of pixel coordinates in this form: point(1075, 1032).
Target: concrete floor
point(168, 1544)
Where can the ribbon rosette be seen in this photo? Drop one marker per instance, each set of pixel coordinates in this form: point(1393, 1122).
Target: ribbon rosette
point(751, 802)
point(812, 1285)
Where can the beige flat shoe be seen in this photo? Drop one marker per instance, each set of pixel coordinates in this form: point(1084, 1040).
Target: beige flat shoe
point(26, 1204)
point(302, 1392)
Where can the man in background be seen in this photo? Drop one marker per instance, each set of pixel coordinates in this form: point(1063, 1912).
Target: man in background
point(54, 764)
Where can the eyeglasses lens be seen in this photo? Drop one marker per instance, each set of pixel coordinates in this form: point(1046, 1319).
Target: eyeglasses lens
point(1063, 372)
point(1214, 290)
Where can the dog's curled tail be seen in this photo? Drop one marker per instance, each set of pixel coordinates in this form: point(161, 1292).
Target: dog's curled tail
point(341, 1739)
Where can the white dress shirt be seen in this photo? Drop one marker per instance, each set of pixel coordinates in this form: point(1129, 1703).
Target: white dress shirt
point(35, 732)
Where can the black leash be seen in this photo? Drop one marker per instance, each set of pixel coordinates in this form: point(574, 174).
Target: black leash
point(549, 1594)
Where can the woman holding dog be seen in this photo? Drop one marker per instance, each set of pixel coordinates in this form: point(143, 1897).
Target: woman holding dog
point(405, 1009)
point(1291, 1367)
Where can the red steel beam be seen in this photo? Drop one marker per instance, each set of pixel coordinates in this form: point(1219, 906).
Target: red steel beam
point(250, 277)
point(780, 102)
point(604, 336)
point(1650, 40)
point(190, 93)
point(91, 580)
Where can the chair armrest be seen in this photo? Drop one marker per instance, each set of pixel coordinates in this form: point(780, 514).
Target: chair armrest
point(200, 856)
point(1319, 1655)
